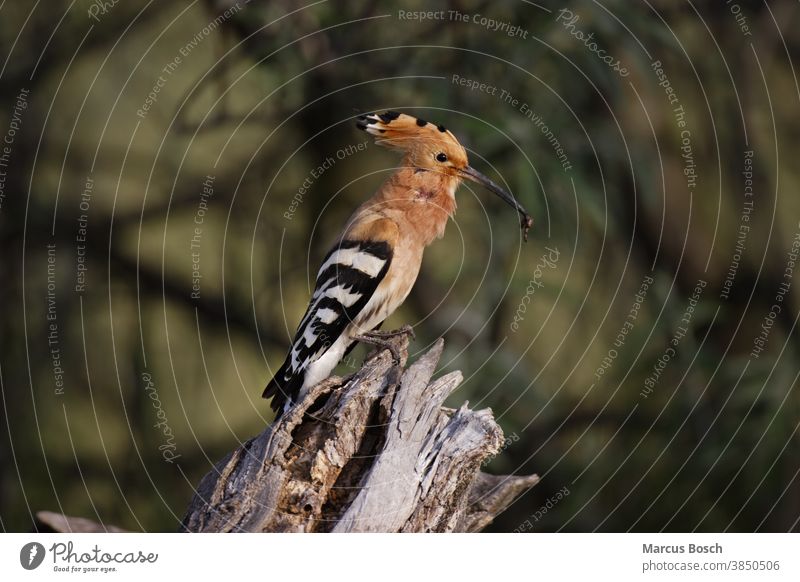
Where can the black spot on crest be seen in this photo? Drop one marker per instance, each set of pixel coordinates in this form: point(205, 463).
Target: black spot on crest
point(422, 122)
point(389, 116)
point(361, 125)
point(441, 128)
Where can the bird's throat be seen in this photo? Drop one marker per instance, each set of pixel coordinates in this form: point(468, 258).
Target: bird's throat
point(432, 203)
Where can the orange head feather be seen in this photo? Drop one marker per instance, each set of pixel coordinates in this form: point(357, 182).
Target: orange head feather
point(423, 144)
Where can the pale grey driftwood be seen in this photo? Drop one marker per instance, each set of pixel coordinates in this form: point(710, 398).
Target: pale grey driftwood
point(372, 452)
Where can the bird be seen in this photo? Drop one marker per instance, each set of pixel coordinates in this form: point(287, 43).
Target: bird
point(374, 262)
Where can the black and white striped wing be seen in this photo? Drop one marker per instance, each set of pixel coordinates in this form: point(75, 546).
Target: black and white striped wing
point(346, 281)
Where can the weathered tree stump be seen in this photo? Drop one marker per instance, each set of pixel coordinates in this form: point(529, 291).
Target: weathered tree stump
point(375, 451)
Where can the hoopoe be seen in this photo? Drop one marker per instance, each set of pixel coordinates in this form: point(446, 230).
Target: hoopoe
point(374, 263)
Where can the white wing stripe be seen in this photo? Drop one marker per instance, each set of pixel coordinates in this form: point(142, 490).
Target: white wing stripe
point(355, 259)
point(327, 315)
point(309, 336)
point(342, 295)
point(368, 264)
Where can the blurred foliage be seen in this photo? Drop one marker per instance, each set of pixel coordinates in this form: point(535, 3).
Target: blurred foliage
point(262, 99)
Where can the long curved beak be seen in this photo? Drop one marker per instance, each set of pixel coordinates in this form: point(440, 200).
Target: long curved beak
point(525, 219)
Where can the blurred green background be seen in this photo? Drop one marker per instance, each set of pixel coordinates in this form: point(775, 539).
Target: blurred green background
point(120, 115)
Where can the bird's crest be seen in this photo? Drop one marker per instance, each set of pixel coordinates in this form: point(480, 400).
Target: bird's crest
point(407, 134)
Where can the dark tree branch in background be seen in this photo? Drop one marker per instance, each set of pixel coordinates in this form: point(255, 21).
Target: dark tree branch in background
point(233, 314)
point(151, 283)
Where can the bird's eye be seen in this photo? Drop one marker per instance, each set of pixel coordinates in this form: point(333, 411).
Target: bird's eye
point(441, 157)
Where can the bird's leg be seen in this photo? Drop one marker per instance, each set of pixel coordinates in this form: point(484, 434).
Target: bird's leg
point(381, 339)
point(405, 330)
point(368, 338)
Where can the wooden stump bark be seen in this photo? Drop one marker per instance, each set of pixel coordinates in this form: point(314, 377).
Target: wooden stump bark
point(373, 452)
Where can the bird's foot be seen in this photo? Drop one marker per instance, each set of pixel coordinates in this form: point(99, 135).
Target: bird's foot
point(381, 339)
point(369, 338)
point(405, 330)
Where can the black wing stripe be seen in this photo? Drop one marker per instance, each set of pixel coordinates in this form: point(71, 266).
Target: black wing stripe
point(352, 275)
point(355, 286)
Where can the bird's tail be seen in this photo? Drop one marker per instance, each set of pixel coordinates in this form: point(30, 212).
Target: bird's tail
point(283, 388)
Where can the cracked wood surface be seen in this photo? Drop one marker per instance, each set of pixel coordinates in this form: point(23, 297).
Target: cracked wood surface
point(375, 451)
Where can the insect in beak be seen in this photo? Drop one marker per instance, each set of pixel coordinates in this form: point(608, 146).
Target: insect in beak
point(525, 219)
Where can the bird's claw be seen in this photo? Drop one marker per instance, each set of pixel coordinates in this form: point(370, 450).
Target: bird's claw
point(380, 339)
point(381, 344)
point(405, 330)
